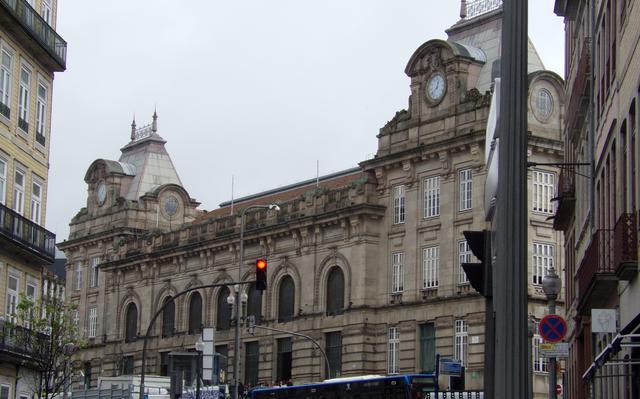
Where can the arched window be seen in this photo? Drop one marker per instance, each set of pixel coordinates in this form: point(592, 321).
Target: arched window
point(195, 313)
point(168, 317)
point(335, 291)
point(223, 310)
point(286, 299)
point(254, 303)
point(131, 323)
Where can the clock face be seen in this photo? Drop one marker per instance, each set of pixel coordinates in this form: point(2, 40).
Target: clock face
point(101, 192)
point(436, 87)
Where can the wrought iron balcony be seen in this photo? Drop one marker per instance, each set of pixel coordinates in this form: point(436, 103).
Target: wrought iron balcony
point(25, 237)
point(5, 110)
point(579, 92)
point(23, 124)
point(13, 349)
point(32, 27)
point(565, 199)
point(40, 138)
point(596, 276)
point(625, 252)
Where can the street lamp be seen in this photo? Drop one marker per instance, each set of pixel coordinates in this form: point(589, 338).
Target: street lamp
point(551, 285)
point(236, 349)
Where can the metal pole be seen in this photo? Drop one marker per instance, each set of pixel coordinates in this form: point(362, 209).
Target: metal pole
point(236, 350)
point(198, 373)
point(553, 378)
point(511, 378)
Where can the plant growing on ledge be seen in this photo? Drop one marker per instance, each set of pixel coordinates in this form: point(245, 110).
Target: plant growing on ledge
point(45, 334)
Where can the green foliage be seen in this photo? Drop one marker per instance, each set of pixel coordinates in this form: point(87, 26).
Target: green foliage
point(47, 333)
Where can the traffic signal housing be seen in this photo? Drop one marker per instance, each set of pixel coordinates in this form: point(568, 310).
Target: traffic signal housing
point(261, 274)
point(480, 274)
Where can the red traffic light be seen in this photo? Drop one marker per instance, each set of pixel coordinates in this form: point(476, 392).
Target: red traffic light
point(261, 274)
point(261, 264)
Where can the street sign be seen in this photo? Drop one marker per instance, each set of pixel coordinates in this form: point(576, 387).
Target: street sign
point(552, 328)
point(558, 389)
point(554, 349)
point(450, 366)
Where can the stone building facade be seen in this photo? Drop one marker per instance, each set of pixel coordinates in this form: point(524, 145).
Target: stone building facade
point(598, 200)
point(365, 261)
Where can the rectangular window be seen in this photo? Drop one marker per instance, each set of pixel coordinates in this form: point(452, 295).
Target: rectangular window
point(334, 354)
point(393, 366)
point(46, 11)
point(542, 261)
point(466, 182)
point(76, 318)
point(427, 348)
point(283, 372)
point(397, 272)
point(430, 266)
point(431, 197)
point(77, 281)
point(461, 336)
point(95, 272)
point(93, 322)
point(220, 360)
point(127, 365)
point(5, 83)
point(41, 111)
point(23, 103)
point(539, 362)
point(36, 202)
point(18, 192)
point(252, 359)
point(398, 204)
point(543, 191)
point(4, 391)
point(464, 256)
point(3, 181)
point(13, 284)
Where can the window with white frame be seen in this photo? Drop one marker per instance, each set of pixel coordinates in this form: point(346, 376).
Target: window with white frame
point(77, 281)
point(393, 366)
point(3, 180)
point(23, 101)
point(4, 391)
point(45, 11)
point(93, 277)
point(13, 285)
point(5, 82)
point(539, 362)
point(543, 191)
point(430, 266)
point(18, 191)
point(93, 322)
point(41, 109)
point(31, 295)
point(397, 272)
point(542, 261)
point(36, 202)
point(466, 184)
point(464, 256)
point(461, 336)
point(398, 204)
point(431, 197)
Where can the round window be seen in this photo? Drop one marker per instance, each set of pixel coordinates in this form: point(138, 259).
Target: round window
point(171, 205)
point(544, 104)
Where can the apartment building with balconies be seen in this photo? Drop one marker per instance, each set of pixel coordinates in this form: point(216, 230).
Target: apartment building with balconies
point(598, 196)
point(31, 52)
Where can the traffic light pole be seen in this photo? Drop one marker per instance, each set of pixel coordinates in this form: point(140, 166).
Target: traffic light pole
point(511, 377)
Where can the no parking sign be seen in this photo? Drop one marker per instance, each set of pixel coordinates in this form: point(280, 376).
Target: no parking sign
point(552, 328)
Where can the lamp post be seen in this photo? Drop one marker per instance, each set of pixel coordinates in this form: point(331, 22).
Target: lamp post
point(199, 345)
point(236, 349)
point(551, 285)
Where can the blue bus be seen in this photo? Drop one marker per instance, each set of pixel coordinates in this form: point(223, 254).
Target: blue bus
point(408, 386)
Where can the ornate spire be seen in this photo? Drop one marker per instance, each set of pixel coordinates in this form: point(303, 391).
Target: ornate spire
point(463, 9)
point(154, 124)
point(133, 128)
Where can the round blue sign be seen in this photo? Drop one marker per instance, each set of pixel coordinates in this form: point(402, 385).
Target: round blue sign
point(552, 328)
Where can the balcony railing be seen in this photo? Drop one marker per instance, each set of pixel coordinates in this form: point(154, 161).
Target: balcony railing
point(15, 340)
point(40, 138)
point(625, 251)
point(23, 124)
point(5, 110)
point(39, 29)
point(596, 275)
point(579, 94)
point(565, 198)
point(33, 239)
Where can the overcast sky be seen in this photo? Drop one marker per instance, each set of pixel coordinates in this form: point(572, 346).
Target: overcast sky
point(257, 89)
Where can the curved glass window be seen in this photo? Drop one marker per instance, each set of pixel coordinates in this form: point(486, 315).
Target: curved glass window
point(168, 317)
point(223, 310)
point(286, 299)
point(131, 323)
point(195, 313)
point(335, 291)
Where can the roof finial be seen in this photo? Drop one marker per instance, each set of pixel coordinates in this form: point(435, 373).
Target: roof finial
point(133, 128)
point(154, 125)
point(463, 9)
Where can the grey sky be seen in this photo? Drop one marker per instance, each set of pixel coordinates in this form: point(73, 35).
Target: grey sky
point(252, 88)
